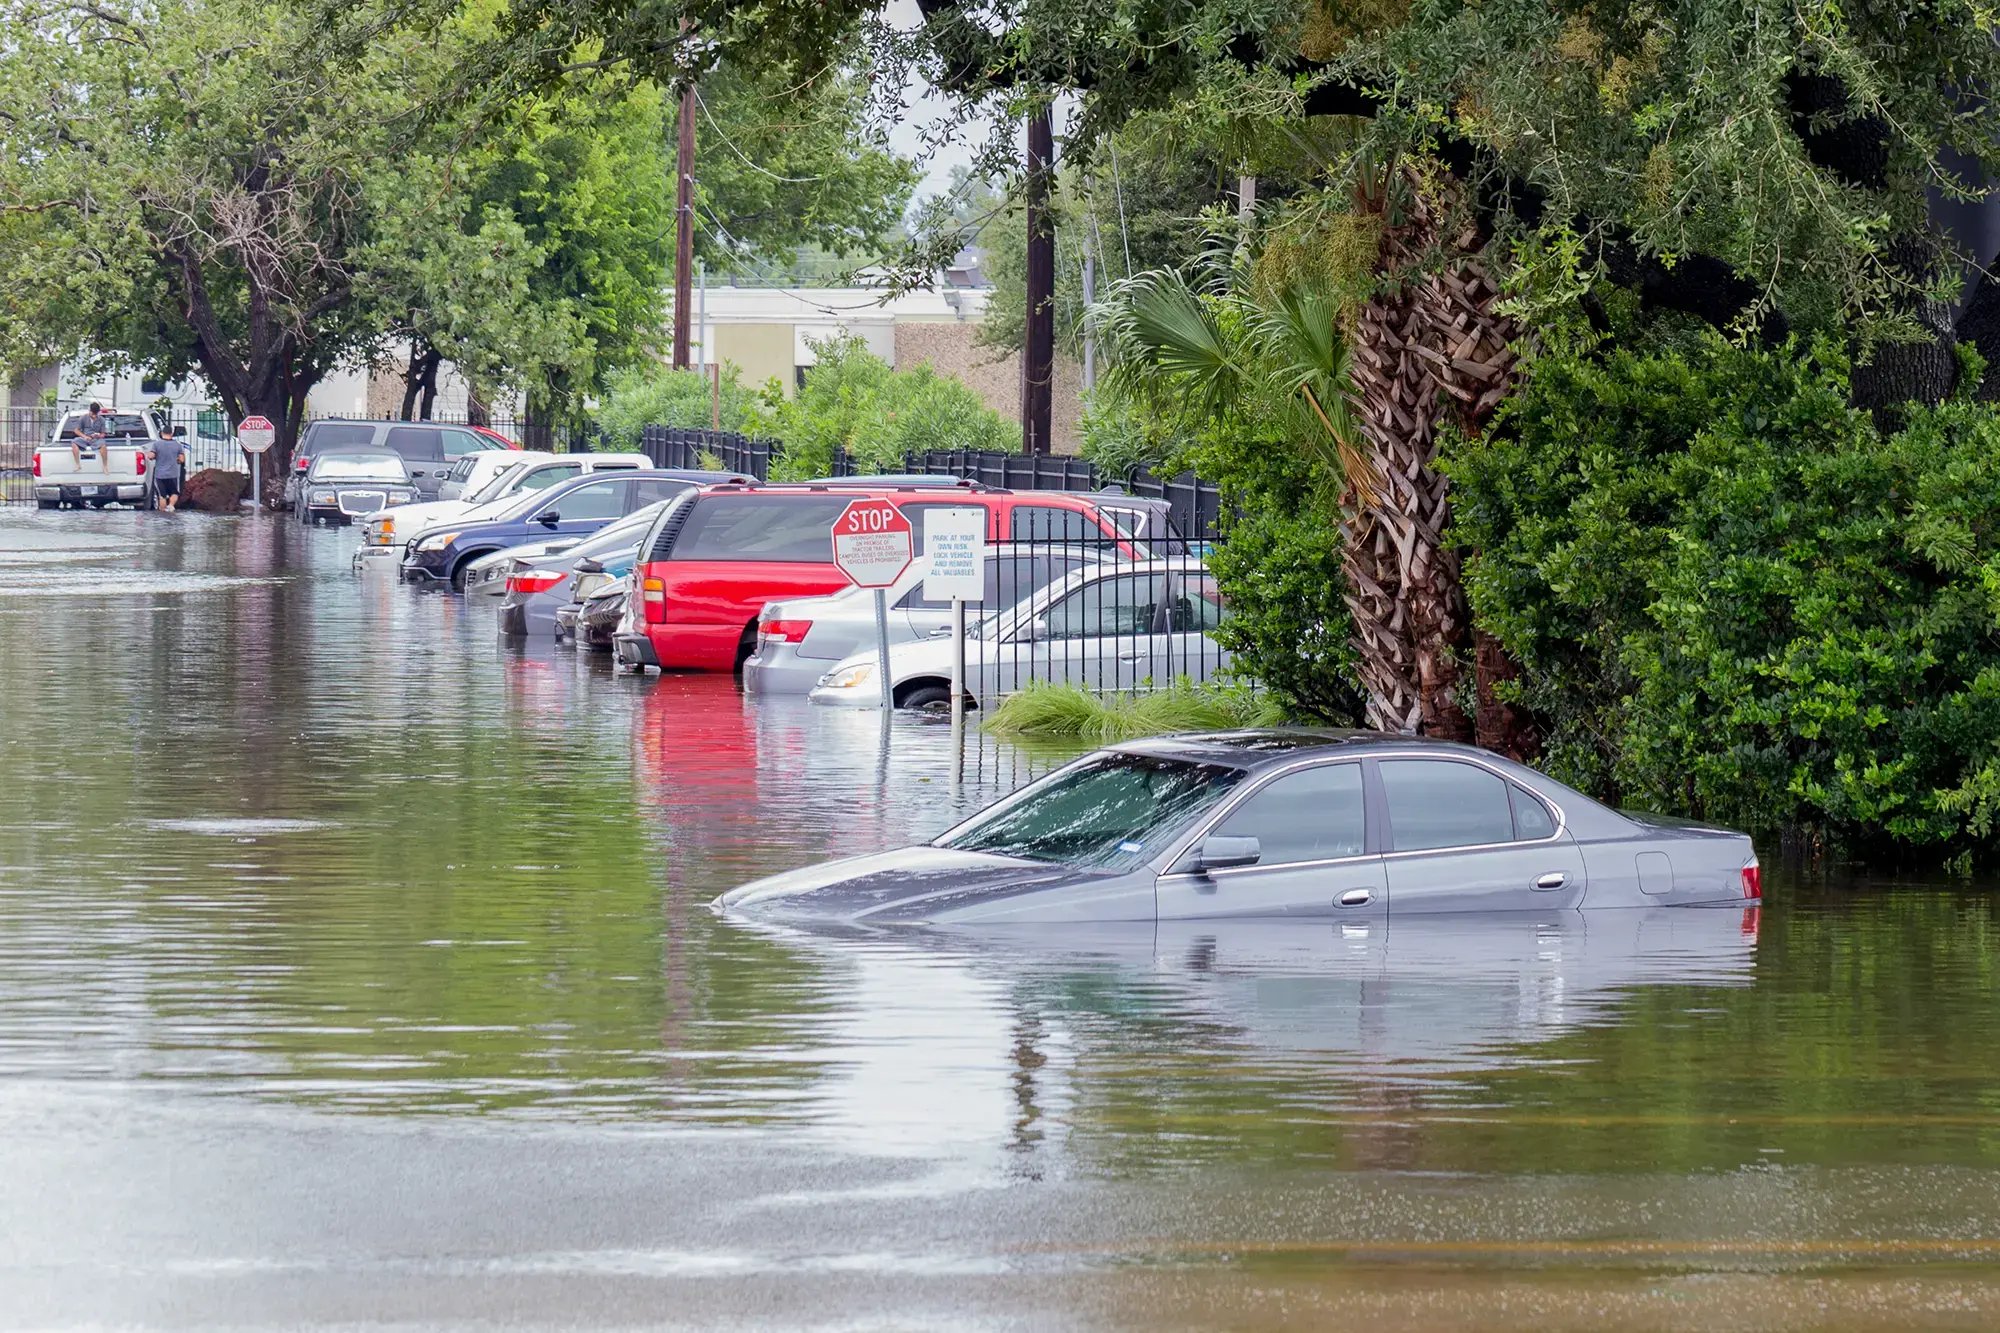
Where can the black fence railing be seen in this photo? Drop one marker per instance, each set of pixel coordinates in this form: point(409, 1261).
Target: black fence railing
point(1125, 615)
point(1196, 504)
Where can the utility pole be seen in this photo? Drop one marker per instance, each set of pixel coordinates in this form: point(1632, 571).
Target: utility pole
point(684, 229)
point(1039, 355)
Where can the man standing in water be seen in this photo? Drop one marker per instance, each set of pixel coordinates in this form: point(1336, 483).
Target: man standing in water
point(169, 456)
point(94, 428)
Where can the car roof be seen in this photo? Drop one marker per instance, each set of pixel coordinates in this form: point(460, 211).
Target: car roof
point(1268, 746)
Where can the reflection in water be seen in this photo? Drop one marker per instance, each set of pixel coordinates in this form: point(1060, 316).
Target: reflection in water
point(302, 854)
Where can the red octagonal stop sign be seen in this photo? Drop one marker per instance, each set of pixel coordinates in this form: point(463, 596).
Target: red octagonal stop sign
point(871, 543)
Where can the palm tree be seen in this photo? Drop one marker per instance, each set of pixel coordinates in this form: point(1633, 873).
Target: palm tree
point(1428, 346)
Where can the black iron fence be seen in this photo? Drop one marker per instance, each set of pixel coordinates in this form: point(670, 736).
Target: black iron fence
point(1196, 504)
point(1127, 615)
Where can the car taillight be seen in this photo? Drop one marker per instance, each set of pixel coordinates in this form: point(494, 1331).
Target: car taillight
point(791, 631)
point(527, 583)
point(1753, 880)
point(653, 600)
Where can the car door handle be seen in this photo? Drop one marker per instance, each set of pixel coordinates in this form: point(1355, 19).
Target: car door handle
point(1555, 879)
point(1356, 898)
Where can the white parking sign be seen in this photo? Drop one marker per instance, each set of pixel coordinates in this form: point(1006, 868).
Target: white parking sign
point(955, 546)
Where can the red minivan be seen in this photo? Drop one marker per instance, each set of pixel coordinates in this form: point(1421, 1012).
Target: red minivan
point(707, 567)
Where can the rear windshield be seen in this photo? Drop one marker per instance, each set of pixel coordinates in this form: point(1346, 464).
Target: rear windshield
point(116, 425)
point(761, 527)
point(333, 434)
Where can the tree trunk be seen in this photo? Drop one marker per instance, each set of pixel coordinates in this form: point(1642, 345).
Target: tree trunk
point(1435, 348)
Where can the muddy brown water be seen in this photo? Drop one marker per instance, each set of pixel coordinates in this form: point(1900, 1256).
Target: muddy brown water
point(355, 970)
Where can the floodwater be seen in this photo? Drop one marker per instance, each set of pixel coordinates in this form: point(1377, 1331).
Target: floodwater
point(355, 970)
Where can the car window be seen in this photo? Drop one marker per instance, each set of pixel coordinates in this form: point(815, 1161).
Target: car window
point(1532, 819)
point(652, 490)
point(1044, 523)
point(599, 499)
point(333, 434)
point(541, 478)
point(1198, 605)
point(419, 442)
point(1438, 803)
point(751, 527)
point(1312, 815)
point(1121, 605)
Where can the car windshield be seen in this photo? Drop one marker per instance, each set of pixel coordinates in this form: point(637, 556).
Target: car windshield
point(1111, 811)
point(499, 483)
point(372, 467)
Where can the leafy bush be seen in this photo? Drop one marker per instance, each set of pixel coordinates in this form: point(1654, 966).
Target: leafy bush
point(1734, 596)
point(1070, 712)
point(853, 399)
point(654, 395)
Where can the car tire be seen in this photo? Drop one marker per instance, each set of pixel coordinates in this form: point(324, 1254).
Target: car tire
point(926, 696)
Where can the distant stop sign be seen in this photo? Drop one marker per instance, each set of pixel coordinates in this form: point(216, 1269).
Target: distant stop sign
point(256, 434)
point(871, 543)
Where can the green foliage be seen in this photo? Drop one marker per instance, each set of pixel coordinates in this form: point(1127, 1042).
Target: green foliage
point(1735, 597)
point(656, 395)
point(853, 400)
point(1047, 711)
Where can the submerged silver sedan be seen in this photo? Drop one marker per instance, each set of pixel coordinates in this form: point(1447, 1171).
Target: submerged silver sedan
point(1280, 823)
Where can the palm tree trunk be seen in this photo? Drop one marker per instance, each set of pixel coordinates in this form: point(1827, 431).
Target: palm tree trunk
point(1434, 349)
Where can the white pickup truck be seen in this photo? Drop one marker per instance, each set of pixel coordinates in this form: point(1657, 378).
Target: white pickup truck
point(70, 470)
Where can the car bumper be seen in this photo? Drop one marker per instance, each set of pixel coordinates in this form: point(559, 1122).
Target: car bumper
point(635, 650)
point(780, 670)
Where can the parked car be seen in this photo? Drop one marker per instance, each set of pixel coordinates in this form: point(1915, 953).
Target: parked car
point(68, 471)
point(1105, 627)
point(520, 473)
point(538, 586)
point(427, 448)
point(597, 621)
point(573, 508)
point(1342, 825)
point(800, 639)
point(486, 577)
point(706, 572)
point(346, 484)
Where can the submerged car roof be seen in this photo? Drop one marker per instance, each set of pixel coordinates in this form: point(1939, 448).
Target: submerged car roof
point(1272, 745)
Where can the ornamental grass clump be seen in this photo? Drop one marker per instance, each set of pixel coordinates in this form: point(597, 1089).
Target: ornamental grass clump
point(1070, 712)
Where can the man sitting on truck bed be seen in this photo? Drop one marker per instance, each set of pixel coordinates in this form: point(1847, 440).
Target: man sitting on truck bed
point(93, 427)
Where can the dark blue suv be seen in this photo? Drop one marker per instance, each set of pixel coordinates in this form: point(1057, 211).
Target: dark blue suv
point(573, 509)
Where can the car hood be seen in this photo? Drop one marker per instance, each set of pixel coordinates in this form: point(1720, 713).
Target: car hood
point(909, 884)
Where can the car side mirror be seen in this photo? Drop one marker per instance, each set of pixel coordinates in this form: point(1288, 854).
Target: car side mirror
point(1222, 853)
point(548, 518)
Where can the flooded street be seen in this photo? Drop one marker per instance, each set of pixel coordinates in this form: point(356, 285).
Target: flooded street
point(358, 970)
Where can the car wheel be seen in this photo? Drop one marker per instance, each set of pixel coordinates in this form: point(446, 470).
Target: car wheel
point(927, 696)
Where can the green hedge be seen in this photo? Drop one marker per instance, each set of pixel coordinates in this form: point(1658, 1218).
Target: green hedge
point(1736, 597)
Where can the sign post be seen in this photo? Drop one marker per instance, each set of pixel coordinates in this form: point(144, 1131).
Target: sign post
point(256, 434)
point(955, 552)
point(871, 545)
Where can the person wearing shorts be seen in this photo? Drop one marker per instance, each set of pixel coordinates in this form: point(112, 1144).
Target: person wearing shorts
point(169, 458)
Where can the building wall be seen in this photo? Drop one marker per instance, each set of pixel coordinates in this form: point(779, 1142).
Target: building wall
point(955, 350)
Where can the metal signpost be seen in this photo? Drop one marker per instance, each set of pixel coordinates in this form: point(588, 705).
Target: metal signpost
point(955, 571)
point(871, 545)
point(256, 434)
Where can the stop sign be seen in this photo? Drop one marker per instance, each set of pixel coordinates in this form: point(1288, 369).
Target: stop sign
point(871, 543)
point(256, 434)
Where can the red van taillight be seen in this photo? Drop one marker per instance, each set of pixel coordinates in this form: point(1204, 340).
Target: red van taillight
point(530, 583)
point(791, 631)
point(1753, 880)
point(653, 600)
